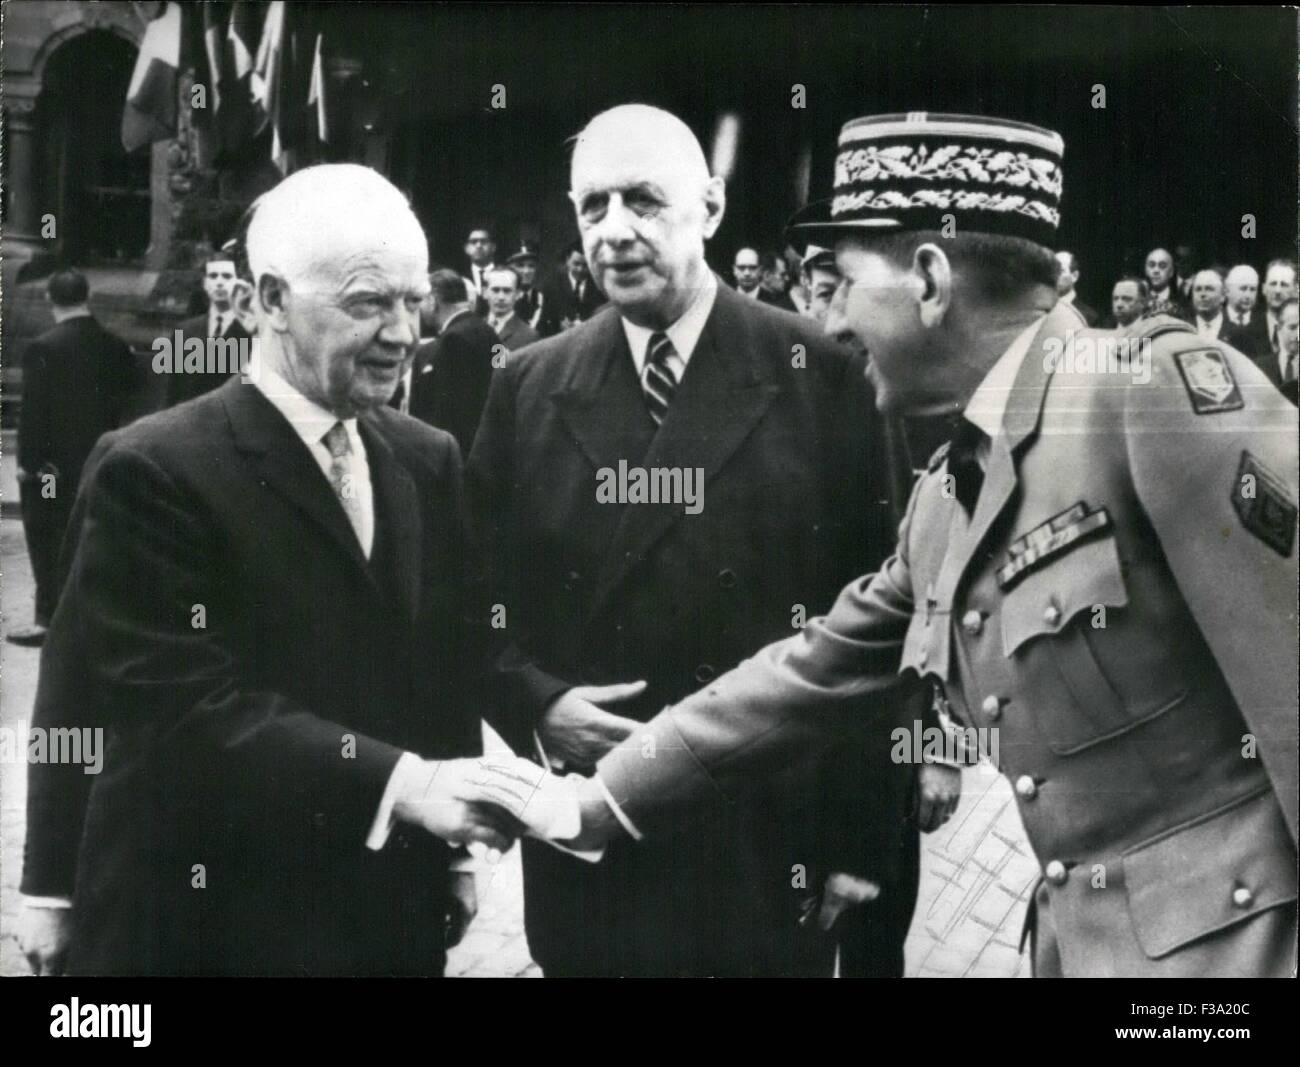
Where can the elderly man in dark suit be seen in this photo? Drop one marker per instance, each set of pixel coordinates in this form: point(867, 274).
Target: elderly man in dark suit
point(78, 382)
point(223, 320)
point(450, 375)
point(263, 615)
point(613, 603)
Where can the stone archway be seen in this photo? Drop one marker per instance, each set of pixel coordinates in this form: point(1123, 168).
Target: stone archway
point(35, 34)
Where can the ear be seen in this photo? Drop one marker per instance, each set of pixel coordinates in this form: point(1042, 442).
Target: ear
point(273, 296)
point(933, 271)
point(715, 205)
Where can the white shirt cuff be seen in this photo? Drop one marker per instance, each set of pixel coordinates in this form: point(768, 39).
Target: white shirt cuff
point(47, 902)
point(619, 813)
point(382, 827)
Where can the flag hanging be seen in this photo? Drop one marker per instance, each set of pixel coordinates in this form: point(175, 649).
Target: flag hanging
point(150, 112)
point(283, 85)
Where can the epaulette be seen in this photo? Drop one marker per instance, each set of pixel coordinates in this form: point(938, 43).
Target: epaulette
point(940, 454)
point(1158, 325)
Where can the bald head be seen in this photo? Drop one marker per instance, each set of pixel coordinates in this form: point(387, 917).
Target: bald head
point(1207, 293)
point(643, 138)
point(322, 217)
point(645, 204)
point(340, 268)
point(1242, 286)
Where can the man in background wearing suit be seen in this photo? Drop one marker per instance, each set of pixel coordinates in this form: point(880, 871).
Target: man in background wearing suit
point(577, 296)
point(1065, 286)
point(78, 380)
point(614, 605)
point(502, 288)
point(263, 614)
point(480, 250)
point(222, 320)
point(1163, 295)
point(1279, 288)
point(1281, 370)
point(773, 290)
point(450, 375)
point(1128, 300)
point(1208, 317)
point(1241, 289)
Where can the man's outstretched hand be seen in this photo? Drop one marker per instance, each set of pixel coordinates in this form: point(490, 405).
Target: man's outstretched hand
point(577, 730)
point(459, 801)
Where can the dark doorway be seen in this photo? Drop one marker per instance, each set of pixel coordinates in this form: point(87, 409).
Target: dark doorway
point(98, 193)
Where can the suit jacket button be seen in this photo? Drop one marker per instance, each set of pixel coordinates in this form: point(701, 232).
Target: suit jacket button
point(992, 707)
point(972, 622)
point(1051, 615)
point(1026, 787)
point(705, 673)
point(1243, 897)
point(727, 578)
point(1056, 872)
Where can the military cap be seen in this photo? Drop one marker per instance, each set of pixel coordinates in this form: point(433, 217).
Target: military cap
point(909, 171)
point(525, 252)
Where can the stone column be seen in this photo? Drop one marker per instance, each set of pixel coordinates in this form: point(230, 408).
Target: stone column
point(22, 236)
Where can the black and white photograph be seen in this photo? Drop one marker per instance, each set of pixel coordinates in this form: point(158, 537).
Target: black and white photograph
point(649, 491)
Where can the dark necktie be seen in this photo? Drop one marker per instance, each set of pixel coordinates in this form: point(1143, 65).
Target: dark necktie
point(963, 464)
point(658, 382)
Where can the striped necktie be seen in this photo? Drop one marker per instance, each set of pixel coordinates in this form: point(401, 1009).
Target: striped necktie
point(658, 380)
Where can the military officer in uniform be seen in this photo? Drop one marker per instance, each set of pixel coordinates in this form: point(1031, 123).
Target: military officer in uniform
point(1101, 566)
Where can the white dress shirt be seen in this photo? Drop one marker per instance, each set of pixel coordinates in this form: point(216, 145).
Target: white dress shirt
point(1209, 328)
point(684, 333)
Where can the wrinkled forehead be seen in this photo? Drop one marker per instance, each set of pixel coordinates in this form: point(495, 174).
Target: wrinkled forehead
point(605, 163)
point(396, 262)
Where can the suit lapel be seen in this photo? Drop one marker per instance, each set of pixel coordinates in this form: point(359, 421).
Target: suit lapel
point(600, 402)
point(284, 464)
point(397, 510)
point(720, 399)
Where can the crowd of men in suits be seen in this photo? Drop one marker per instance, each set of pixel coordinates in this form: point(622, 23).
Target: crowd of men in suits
point(295, 506)
point(1226, 304)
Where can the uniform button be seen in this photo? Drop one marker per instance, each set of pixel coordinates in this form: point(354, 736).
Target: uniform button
point(705, 673)
point(992, 707)
point(727, 578)
point(1026, 787)
point(972, 622)
point(1243, 897)
point(1056, 872)
point(1052, 615)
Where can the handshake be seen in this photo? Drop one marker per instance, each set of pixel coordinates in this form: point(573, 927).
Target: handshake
point(493, 800)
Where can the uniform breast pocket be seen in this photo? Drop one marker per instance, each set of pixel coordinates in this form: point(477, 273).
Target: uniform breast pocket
point(1048, 623)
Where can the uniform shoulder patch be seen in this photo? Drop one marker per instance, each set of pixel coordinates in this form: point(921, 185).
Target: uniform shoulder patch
point(1264, 505)
point(1209, 380)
